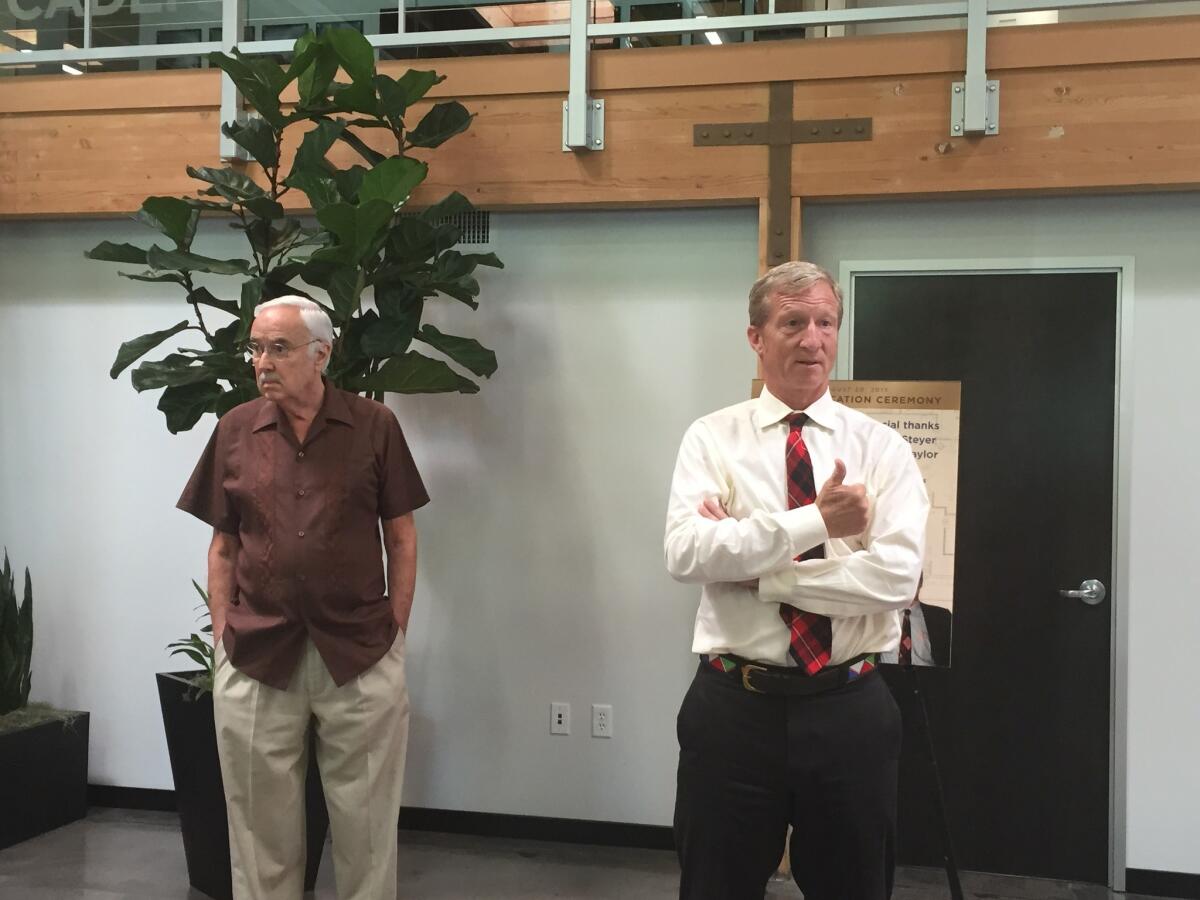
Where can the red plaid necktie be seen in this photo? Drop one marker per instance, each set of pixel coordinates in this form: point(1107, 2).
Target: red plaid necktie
point(811, 635)
point(904, 652)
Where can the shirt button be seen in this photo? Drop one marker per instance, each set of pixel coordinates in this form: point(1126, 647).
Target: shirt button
point(300, 455)
point(302, 576)
point(300, 493)
point(300, 534)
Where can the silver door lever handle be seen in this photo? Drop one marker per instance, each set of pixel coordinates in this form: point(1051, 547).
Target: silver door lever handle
point(1090, 592)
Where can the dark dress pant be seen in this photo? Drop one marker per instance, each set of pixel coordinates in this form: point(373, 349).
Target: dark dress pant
point(751, 764)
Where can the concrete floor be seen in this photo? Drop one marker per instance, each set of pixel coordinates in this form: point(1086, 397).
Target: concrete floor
point(125, 855)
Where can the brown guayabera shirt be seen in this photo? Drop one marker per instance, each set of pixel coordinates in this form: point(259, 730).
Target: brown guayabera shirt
point(307, 515)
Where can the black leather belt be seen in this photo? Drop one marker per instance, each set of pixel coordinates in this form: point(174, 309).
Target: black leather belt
point(760, 678)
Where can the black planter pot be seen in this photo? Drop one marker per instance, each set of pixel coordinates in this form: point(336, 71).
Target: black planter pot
point(200, 793)
point(44, 780)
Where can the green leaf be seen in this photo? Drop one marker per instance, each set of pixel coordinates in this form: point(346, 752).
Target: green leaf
point(304, 53)
point(452, 265)
point(467, 352)
point(482, 259)
point(313, 80)
point(465, 290)
point(177, 260)
point(391, 336)
point(356, 227)
point(414, 373)
point(224, 340)
point(252, 295)
point(417, 83)
point(236, 397)
point(349, 181)
point(184, 405)
point(258, 233)
point(172, 217)
point(411, 240)
point(172, 370)
point(198, 203)
point(228, 183)
point(369, 123)
point(260, 81)
point(106, 251)
point(133, 350)
point(393, 103)
point(440, 124)
point(163, 278)
point(265, 208)
point(393, 180)
point(398, 300)
point(356, 97)
point(345, 290)
point(453, 204)
point(181, 648)
point(371, 155)
point(281, 275)
point(353, 52)
point(319, 189)
point(310, 157)
point(204, 297)
point(257, 137)
point(199, 590)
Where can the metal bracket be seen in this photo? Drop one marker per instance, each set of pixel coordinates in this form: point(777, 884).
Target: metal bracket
point(595, 125)
point(803, 131)
point(958, 109)
point(975, 101)
point(233, 20)
point(583, 117)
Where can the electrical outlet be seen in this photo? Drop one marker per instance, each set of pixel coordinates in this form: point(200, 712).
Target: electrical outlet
point(560, 718)
point(602, 726)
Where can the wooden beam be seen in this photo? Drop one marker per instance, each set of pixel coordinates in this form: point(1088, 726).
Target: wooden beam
point(1122, 113)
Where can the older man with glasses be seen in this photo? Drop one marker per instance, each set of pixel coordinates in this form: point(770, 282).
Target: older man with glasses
point(295, 485)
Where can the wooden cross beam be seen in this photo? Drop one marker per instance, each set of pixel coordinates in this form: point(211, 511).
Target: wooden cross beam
point(778, 134)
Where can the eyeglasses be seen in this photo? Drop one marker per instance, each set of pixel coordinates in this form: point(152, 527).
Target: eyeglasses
point(273, 350)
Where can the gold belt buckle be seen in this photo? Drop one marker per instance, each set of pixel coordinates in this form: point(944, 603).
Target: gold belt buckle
point(746, 667)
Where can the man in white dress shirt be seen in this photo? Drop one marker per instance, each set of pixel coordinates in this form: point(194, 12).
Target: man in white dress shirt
point(804, 523)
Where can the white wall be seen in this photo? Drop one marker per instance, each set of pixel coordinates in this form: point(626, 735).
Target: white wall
point(1160, 232)
point(540, 564)
point(541, 574)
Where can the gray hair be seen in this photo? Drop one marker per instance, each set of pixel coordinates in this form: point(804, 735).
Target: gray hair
point(315, 319)
point(793, 277)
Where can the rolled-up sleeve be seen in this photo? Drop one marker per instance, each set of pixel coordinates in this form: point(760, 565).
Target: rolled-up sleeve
point(883, 575)
point(206, 496)
point(702, 551)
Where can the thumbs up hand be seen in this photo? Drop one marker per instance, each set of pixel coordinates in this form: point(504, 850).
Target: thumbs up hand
point(844, 507)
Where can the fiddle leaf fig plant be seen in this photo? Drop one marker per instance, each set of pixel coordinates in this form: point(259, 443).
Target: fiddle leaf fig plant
point(371, 266)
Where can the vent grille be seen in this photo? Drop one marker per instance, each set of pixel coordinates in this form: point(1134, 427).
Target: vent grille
point(474, 227)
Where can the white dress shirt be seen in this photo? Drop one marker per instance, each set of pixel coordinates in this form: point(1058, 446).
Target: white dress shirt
point(737, 456)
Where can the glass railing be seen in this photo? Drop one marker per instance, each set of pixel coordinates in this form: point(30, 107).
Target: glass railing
point(40, 37)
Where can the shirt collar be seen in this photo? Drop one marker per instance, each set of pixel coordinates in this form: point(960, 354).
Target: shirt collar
point(333, 408)
point(771, 410)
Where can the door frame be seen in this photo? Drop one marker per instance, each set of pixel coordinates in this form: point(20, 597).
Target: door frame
point(1122, 267)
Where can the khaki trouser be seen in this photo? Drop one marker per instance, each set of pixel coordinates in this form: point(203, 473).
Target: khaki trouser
point(361, 737)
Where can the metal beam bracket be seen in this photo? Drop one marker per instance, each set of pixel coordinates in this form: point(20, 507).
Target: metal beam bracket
point(595, 125)
point(803, 131)
point(990, 105)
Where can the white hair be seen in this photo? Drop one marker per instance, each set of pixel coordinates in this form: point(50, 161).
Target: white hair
point(315, 319)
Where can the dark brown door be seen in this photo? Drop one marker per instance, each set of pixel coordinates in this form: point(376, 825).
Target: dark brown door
point(1020, 721)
